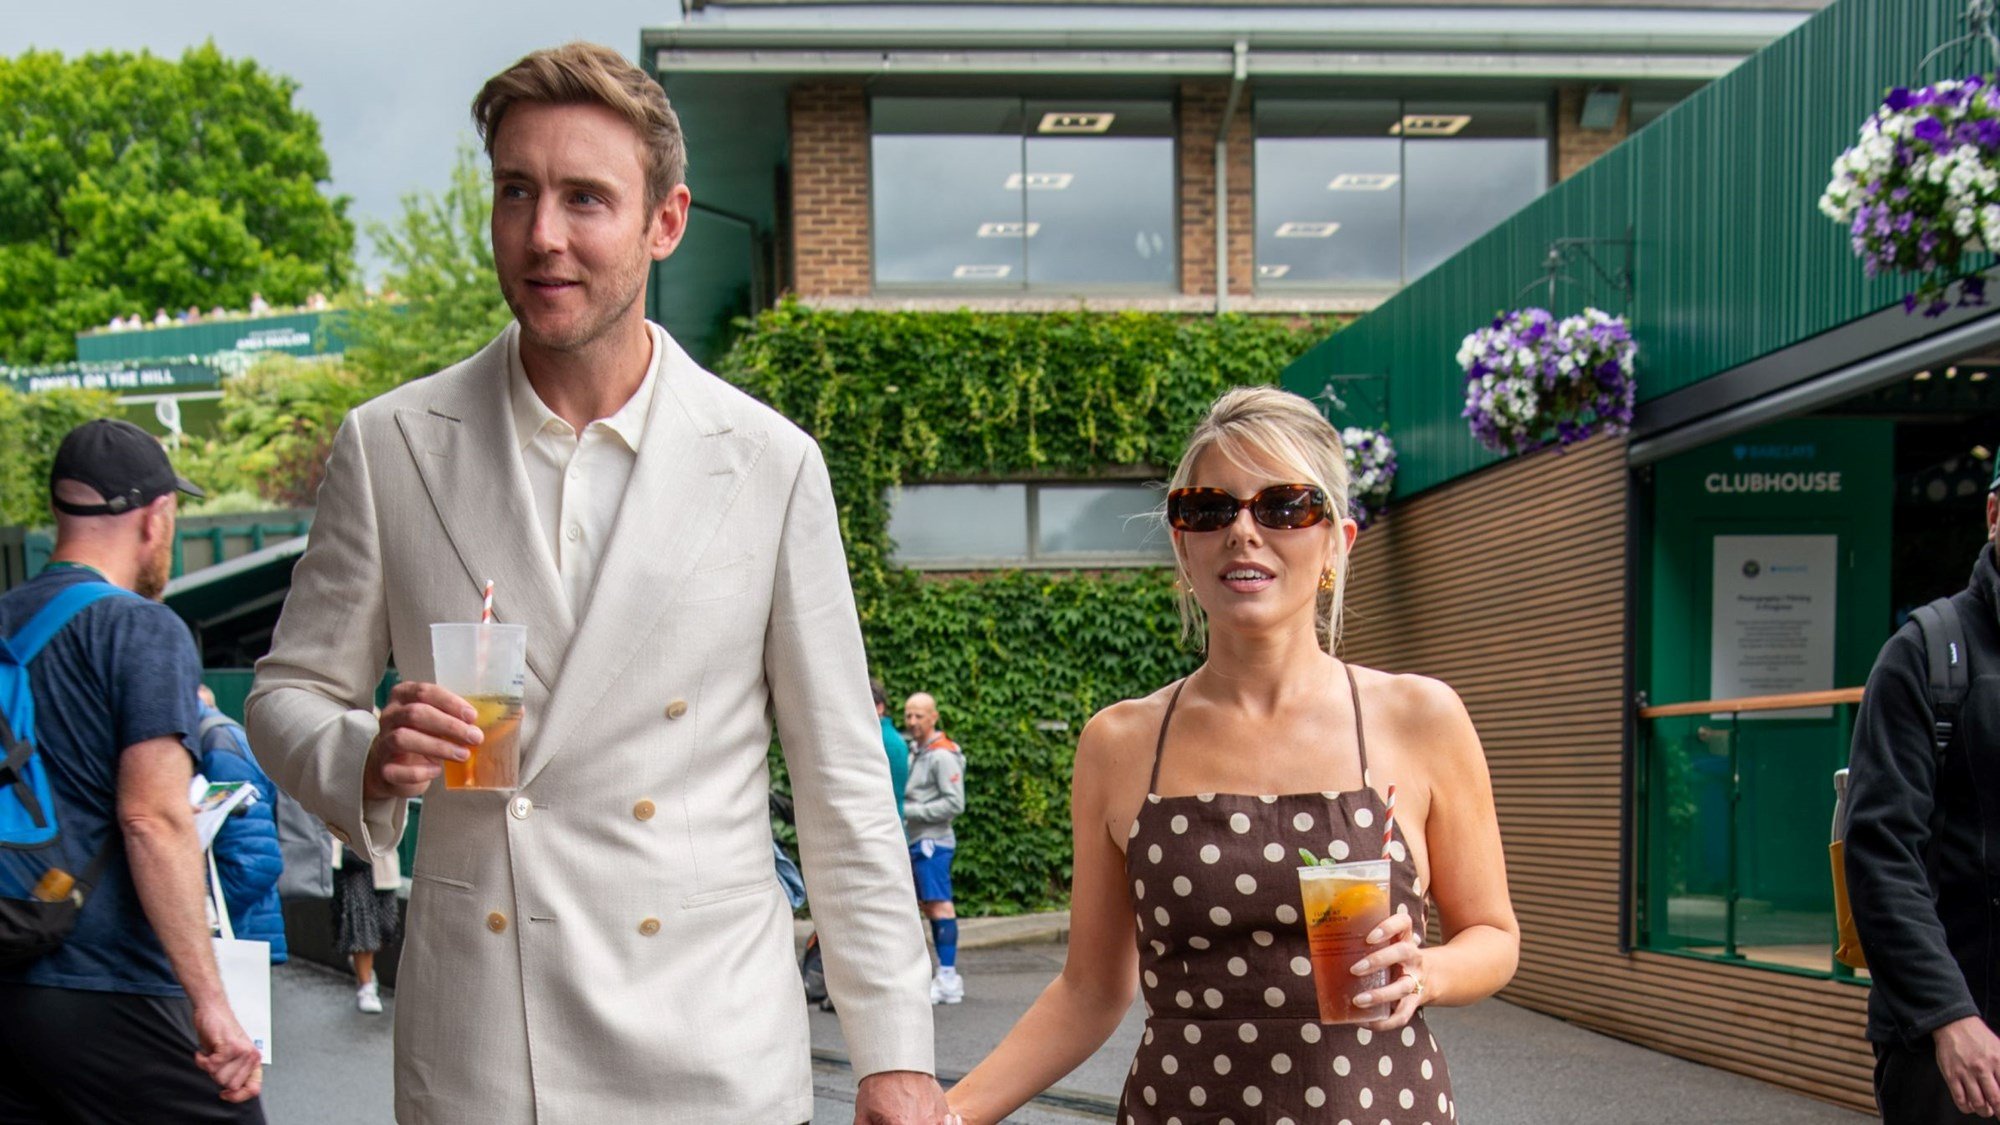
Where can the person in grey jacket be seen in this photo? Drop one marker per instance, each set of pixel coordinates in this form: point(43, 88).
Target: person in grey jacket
point(932, 799)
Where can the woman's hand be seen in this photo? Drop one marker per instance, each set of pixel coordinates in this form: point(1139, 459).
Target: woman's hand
point(1394, 944)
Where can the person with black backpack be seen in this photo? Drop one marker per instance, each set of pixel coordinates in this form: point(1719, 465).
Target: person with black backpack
point(1922, 844)
point(112, 1008)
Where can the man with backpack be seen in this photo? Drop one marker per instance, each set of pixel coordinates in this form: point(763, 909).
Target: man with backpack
point(114, 1008)
point(1921, 824)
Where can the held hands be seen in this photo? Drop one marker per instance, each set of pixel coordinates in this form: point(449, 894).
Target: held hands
point(1968, 1054)
point(227, 1055)
point(423, 727)
point(1394, 943)
point(899, 1097)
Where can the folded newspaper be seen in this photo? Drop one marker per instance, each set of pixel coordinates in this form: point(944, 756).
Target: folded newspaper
point(214, 801)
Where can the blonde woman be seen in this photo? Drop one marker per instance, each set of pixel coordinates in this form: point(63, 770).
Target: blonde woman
point(1191, 806)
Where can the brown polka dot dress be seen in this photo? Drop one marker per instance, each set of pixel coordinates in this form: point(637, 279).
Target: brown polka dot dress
point(1232, 1022)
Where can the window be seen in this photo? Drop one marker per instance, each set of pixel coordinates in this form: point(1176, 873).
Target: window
point(1006, 194)
point(1373, 194)
point(987, 526)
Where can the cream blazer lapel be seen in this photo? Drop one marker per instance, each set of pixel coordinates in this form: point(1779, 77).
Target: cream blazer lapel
point(467, 454)
point(690, 469)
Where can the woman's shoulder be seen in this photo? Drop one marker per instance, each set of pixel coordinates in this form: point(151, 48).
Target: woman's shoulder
point(1418, 709)
point(1125, 731)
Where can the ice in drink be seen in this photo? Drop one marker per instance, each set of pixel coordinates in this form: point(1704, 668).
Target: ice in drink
point(496, 762)
point(485, 664)
point(1344, 902)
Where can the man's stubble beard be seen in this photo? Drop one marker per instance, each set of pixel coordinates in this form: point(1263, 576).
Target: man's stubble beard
point(591, 330)
point(151, 581)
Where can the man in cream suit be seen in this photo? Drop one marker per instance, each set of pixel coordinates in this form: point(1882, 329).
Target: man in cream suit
point(607, 943)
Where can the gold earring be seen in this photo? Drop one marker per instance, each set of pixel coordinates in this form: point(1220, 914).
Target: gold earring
point(1326, 582)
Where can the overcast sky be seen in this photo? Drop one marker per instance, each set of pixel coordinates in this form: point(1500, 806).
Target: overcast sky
point(390, 82)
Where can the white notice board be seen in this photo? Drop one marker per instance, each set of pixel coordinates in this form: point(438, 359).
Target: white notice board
point(1772, 619)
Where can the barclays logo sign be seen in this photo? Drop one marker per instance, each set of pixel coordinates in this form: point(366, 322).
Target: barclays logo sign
point(1799, 451)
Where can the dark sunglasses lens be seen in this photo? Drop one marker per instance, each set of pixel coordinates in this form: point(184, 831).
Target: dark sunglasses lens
point(1286, 507)
point(1200, 511)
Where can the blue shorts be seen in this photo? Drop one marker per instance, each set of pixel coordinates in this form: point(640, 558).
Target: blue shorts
point(931, 864)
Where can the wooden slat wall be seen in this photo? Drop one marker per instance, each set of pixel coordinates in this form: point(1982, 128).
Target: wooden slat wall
point(1510, 586)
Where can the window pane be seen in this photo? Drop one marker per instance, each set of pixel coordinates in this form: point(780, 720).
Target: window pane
point(1100, 199)
point(1329, 211)
point(1458, 190)
point(1116, 519)
point(947, 202)
point(959, 521)
point(1329, 207)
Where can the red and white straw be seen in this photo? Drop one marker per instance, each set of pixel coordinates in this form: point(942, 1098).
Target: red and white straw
point(486, 604)
point(1389, 823)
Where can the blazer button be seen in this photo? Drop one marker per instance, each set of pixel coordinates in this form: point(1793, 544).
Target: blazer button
point(649, 927)
point(677, 708)
point(643, 810)
point(521, 808)
point(496, 921)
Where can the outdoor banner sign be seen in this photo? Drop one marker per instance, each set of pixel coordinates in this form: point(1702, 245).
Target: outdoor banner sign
point(1772, 619)
point(133, 377)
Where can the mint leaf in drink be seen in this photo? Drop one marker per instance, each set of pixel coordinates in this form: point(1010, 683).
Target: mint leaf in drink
point(1310, 859)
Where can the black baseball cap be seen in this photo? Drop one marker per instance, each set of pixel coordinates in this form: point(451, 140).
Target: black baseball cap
point(125, 464)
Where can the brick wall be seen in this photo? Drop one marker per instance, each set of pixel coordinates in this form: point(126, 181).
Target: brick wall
point(1577, 146)
point(1202, 105)
point(829, 240)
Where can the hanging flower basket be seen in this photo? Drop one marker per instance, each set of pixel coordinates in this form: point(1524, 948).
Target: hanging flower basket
point(1532, 380)
point(1921, 189)
point(1371, 470)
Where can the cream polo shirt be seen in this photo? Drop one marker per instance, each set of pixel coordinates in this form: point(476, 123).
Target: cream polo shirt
point(577, 482)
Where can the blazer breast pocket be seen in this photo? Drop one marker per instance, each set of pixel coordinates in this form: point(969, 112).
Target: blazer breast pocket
point(714, 583)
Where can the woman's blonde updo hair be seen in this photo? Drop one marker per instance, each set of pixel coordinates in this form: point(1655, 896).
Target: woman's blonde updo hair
point(1262, 428)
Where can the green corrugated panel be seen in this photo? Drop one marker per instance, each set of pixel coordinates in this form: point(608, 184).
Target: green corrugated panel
point(1733, 259)
point(305, 333)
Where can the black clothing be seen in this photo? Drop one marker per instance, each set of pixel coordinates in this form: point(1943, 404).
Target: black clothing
point(1911, 1090)
point(1923, 835)
point(77, 1057)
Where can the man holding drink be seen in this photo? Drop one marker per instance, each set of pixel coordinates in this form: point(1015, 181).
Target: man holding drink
point(595, 931)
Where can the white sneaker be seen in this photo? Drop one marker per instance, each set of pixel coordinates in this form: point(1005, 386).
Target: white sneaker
point(947, 987)
point(368, 998)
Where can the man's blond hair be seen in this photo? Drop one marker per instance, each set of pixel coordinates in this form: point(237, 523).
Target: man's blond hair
point(591, 74)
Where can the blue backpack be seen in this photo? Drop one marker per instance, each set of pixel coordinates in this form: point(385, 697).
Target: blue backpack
point(39, 898)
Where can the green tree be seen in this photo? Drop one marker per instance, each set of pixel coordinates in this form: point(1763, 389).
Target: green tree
point(130, 183)
point(447, 302)
point(279, 418)
point(35, 425)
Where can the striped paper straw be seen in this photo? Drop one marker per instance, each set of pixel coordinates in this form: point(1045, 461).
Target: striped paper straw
point(486, 604)
point(1389, 823)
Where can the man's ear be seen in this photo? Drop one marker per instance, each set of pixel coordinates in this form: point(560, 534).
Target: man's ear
point(667, 224)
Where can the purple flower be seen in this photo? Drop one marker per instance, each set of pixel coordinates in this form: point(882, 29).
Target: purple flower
point(1898, 99)
point(1928, 130)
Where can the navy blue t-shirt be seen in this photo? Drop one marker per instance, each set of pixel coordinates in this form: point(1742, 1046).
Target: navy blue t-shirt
point(122, 672)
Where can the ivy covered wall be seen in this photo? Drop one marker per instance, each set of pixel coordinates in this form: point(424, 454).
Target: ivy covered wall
point(1018, 660)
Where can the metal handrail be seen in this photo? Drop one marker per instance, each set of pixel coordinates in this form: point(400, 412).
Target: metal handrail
point(1726, 731)
point(1753, 703)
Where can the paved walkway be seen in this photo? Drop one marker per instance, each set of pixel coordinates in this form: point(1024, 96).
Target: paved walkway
point(1509, 1066)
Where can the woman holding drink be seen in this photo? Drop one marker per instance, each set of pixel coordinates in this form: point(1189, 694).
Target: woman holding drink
point(1191, 808)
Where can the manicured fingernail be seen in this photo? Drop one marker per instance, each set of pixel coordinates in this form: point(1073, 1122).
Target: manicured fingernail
point(1374, 935)
point(1364, 1000)
point(476, 736)
point(1360, 967)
